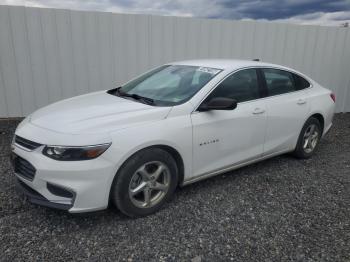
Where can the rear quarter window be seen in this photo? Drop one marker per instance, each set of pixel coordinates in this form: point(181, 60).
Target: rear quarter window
point(300, 82)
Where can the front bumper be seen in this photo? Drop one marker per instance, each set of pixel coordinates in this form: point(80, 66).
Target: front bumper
point(36, 198)
point(76, 186)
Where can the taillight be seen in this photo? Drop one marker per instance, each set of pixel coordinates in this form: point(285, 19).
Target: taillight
point(333, 97)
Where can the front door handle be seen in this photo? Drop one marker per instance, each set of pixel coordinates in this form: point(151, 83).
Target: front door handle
point(258, 111)
point(301, 102)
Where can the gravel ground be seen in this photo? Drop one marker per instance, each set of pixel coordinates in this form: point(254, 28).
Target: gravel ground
point(277, 210)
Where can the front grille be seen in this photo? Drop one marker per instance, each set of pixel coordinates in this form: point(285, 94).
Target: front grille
point(23, 168)
point(30, 145)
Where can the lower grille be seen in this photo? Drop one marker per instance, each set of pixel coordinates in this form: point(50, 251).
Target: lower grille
point(23, 168)
point(59, 191)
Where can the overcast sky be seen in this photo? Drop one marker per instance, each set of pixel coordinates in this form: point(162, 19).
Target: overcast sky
point(322, 12)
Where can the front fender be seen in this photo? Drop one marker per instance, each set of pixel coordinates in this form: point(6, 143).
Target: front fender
point(174, 132)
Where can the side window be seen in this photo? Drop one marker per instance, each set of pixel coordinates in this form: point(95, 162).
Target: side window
point(242, 86)
point(300, 82)
point(278, 81)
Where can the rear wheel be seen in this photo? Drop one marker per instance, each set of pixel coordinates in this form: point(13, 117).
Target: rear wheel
point(309, 138)
point(145, 182)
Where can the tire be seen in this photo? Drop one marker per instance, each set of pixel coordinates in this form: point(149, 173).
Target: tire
point(302, 150)
point(150, 172)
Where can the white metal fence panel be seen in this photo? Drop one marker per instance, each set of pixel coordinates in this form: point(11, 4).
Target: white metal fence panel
point(50, 54)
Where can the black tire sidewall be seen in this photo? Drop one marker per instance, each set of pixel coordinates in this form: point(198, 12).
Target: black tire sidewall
point(120, 187)
point(299, 150)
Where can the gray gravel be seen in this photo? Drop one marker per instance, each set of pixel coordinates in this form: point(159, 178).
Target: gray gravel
point(277, 210)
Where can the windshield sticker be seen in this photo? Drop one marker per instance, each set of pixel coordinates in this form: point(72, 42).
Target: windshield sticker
point(209, 70)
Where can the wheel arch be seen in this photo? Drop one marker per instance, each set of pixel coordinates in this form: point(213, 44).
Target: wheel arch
point(171, 150)
point(168, 148)
point(178, 159)
point(320, 118)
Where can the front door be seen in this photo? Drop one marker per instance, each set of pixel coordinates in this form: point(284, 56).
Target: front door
point(222, 138)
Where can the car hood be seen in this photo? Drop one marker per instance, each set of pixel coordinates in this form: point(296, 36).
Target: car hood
point(97, 112)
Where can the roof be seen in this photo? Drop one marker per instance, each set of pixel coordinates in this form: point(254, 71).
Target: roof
point(227, 64)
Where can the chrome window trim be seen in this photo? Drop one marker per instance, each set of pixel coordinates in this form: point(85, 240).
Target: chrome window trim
point(260, 98)
point(288, 71)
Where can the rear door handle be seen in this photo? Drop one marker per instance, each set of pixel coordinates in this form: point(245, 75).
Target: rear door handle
point(258, 111)
point(301, 102)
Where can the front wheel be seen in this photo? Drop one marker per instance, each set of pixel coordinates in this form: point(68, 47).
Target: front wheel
point(145, 182)
point(309, 138)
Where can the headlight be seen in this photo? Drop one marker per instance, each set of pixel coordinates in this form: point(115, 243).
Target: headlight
point(66, 153)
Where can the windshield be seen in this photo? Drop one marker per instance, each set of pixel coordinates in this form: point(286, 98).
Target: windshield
point(169, 85)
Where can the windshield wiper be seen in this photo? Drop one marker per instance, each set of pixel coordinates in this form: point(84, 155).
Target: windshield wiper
point(146, 100)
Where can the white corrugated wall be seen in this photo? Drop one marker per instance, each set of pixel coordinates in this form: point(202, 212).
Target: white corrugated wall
point(50, 54)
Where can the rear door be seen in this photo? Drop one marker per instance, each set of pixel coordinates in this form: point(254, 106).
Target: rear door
point(287, 107)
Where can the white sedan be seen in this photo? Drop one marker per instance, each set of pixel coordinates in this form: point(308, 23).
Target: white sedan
point(172, 126)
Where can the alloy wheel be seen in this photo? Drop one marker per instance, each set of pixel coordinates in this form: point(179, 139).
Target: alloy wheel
point(310, 138)
point(149, 184)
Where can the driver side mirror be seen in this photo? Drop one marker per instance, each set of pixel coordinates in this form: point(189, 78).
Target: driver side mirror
point(218, 103)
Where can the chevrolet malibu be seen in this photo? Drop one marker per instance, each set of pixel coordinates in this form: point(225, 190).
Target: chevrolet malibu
point(174, 125)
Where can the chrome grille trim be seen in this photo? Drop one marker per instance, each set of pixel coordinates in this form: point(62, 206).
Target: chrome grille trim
point(25, 143)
